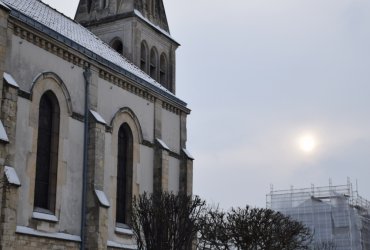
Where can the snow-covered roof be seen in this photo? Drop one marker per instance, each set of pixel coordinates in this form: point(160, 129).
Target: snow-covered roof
point(167, 34)
point(3, 5)
point(55, 24)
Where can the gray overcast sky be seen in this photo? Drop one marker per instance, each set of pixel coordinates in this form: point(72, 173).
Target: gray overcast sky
point(259, 73)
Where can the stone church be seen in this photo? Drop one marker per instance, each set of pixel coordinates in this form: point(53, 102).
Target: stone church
point(89, 118)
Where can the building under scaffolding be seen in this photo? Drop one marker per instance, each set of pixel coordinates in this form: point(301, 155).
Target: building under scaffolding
point(337, 215)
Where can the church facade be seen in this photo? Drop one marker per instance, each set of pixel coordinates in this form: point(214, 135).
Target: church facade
point(89, 118)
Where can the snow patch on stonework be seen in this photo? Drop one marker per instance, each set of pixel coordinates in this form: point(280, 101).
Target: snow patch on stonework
point(3, 135)
point(103, 200)
point(98, 117)
point(12, 176)
point(163, 144)
point(10, 80)
point(187, 153)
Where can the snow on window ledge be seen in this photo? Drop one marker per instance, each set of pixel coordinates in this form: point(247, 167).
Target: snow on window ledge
point(119, 245)
point(60, 236)
point(44, 216)
point(123, 229)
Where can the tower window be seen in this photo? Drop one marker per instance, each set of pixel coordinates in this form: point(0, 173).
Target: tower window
point(124, 174)
point(117, 45)
point(153, 63)
point(89, 2)
point(163, 77)
point(47, 153)
point(143, 56)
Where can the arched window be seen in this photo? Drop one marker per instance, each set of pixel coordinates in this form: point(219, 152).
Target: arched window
point(89, 2)
point(143, 56)
point(103, 4)
point(117, 45)
point(153, 63)
point(47, 153)
point(124, 174)
point(163, 77)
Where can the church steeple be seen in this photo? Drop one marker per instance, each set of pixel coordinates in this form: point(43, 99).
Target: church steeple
point(138, 29)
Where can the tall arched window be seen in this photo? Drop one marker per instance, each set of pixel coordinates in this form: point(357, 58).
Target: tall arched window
point(143, 56)
point(47, 153)
point(163, 77)
point(153, 63)
point(124, 174)
point(117, 45)
point(89, 3)
point(103, 4)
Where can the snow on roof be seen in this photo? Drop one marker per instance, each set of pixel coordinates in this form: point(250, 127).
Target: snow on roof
point(68, 28)
point(138, 14)
point(103, 200)
point(163, 144)
point(60, 236)
point(10, 80)
point(3, 135)
point(12, 176)
point(98, 117)
point(3, 5)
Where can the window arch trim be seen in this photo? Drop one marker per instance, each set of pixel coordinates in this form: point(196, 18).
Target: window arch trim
point(56, 79)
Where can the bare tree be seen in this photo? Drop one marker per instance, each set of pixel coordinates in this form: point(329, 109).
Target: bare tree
point(166, 221)
point(213, 230)
point(259, 228)
point(252, 229)
point(326, 245)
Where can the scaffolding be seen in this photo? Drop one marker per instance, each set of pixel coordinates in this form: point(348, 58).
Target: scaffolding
point(336, 215)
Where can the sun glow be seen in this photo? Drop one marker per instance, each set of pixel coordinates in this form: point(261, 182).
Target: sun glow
point(307, 143)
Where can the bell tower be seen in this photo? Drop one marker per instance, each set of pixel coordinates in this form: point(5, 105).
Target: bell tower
point(138, 30)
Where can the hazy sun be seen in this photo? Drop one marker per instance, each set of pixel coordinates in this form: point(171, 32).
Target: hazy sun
point(307, 143)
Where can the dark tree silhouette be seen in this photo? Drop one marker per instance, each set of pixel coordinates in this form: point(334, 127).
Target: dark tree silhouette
point(252, 229)
point(166, 221)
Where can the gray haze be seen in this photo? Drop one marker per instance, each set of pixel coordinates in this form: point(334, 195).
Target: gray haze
point(257, 74)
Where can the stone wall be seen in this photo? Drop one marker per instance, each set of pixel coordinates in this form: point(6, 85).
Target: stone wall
point(26, 242)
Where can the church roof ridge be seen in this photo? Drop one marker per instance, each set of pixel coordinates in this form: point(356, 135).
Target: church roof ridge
point(36, 13)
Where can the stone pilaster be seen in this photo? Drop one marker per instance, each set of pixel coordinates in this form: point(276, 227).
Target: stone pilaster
point(186, 174)
point(158, 119)
point(161, 163)
point(8, 116)
point(186, 165)
point(97, 214)
point(161, 153)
